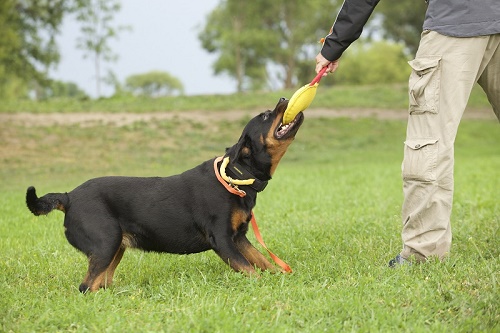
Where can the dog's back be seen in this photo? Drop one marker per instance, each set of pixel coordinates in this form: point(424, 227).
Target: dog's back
point(163, 214)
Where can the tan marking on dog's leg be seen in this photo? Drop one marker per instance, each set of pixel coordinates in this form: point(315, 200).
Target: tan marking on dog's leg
point(254, 256)
point(92, 284)
point(98, 282)
point(96, 275)
point(244, 268)
point(110, 271)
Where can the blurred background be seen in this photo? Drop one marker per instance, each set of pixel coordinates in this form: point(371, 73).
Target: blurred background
point(93, 49)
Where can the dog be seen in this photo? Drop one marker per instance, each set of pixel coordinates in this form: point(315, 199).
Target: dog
point(205, 208)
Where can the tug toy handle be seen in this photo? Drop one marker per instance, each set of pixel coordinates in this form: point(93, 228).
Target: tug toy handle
point(318, 77)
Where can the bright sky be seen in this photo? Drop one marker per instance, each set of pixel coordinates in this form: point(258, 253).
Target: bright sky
point(163, 37)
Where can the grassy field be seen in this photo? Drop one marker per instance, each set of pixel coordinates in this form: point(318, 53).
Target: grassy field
point(332, 212)
point(383, 96)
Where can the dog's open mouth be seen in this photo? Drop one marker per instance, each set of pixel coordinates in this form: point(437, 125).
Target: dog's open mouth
point(285, 131)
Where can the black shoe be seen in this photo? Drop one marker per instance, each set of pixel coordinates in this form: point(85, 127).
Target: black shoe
point(398, 260)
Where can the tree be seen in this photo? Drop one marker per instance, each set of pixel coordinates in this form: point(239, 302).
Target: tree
point(154, 84)
point(27, 42)
point(256, 38)
point(300, 25)
point(402, 21)
point(112, 80)
point(235, 31)
point(96, 17)
point(373, 63)
point(57, 89)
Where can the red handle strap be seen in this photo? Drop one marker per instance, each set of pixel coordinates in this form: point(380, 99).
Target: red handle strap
point(277, 260)
point(318, 76)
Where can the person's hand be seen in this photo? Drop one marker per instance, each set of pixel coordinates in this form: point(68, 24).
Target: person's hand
point(322, 62)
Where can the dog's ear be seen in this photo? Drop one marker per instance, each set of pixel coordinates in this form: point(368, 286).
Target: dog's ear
point(240, 149)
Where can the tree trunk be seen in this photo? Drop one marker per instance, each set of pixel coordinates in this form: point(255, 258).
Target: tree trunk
point(240, 66)
point(97, 75)
point(289, 70)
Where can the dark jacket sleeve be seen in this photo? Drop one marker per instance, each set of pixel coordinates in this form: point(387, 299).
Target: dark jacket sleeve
point(348, 26)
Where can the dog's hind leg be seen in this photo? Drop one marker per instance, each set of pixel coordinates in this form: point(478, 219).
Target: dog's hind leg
point(97, 276)
point(100, 238)
point(253, 255)
point(110, 271)
point(102, 265)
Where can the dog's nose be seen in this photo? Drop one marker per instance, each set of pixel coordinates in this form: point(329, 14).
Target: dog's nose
point(282, 99)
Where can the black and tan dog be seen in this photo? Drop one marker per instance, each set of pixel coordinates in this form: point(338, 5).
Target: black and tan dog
point(186, 213)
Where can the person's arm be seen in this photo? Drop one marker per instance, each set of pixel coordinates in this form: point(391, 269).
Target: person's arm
point(347, 28)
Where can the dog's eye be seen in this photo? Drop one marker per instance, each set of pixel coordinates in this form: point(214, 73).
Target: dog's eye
point(265, 115)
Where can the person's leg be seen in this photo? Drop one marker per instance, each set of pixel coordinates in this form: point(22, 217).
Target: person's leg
point(444, 72)
point(490, 76)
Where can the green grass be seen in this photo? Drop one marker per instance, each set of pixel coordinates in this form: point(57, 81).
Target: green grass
point(331, 212)
point(381, 96)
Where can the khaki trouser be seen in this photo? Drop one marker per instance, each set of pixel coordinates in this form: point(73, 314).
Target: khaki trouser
point(443, 74)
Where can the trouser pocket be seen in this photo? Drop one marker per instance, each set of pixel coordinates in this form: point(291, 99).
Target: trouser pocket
point(420, 159)
point(424, 84)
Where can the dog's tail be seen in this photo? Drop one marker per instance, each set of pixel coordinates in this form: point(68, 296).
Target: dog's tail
point(47, 203)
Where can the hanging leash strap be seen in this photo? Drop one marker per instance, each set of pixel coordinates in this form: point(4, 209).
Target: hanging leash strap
point(277, 260)
point(228, 183)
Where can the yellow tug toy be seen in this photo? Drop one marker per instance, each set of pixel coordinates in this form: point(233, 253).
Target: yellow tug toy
point(302, 98)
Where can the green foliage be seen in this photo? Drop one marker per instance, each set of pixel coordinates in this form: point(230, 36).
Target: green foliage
point(96, 17)
point(28, 48)
point(331, 211)
point(263, 42)
point(259, 43)
point(251, 35)
point(300, 26)
point(154, 84)
point(373, 63)
point(112, 80)
point(402, 21)
point(13, 89)
point(234, 30)
point(27, 44)
point(58, 89)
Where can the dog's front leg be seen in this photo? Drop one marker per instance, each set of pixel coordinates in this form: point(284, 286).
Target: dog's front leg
point(229, 253)
point(253, 255)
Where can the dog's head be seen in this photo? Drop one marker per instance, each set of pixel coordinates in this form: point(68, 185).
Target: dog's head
point(264, 141)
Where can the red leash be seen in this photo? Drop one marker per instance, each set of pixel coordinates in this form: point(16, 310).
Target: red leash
point(256, 231)
point(277, 260)
point(318, 77)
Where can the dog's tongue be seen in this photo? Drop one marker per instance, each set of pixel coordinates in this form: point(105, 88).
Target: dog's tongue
point(285, 128)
